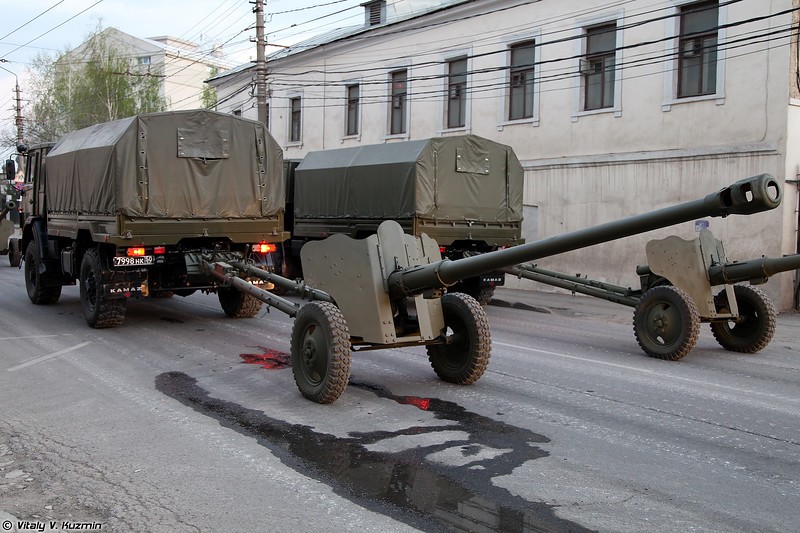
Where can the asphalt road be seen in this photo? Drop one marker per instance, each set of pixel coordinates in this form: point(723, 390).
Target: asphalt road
point(184, 420)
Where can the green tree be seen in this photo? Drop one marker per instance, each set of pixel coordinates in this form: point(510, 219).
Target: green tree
point(97, 82)
point(209, 98)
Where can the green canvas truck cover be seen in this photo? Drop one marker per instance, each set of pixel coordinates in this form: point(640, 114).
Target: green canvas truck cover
point(444, 178)
point(180, 164)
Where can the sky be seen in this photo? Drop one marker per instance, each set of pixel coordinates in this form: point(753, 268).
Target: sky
point(31, 27)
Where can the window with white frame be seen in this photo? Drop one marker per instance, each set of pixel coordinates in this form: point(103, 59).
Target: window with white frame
point(598, 67)
point(351, 116)
point(295, 127)
point(456, 100)
point(398, 102)
point(697, 49)
point(521, 80)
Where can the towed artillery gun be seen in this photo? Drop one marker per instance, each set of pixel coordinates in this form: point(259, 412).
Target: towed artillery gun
point(389, 290)
point(677, 294)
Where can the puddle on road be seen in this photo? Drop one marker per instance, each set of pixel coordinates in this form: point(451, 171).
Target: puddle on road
point(269, 359)
point(442, 481)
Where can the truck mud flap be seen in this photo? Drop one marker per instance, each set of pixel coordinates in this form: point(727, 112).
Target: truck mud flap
point(493, 279)
point(125, 283)
point(122, 290)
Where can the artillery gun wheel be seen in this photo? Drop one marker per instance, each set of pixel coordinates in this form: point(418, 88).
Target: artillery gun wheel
point(35, 282)
point(754, 328)
point(100, 312)
point(320, 352)
point(464, 357)
point(666, 323)
point(237, 304)
point(14, 253)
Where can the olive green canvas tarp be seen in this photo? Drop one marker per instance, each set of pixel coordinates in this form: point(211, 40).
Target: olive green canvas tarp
point(181, 164)
point(445, 178)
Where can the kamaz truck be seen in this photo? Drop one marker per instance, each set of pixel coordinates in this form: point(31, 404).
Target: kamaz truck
point(129, 208)
point(463, 191)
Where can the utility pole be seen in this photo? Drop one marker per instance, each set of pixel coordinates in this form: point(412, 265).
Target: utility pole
point(18, 99)
point(261, 63)
point(19, 114)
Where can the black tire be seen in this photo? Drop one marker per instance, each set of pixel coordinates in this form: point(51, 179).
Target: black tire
point(464, 357)
point(14, 253)
point(473, 288)
point(754, 328)
point(100, 312)
point(237, 304)
point(39, 292)
point(320, 352)
point(666, 323)
point(485, 295)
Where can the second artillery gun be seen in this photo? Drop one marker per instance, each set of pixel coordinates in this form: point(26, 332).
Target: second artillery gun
point(389, 290)
point(677, 294)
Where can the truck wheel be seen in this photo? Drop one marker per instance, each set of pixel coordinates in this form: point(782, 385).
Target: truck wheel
point(99, 311)
point(666, 323)
point(754, 328)
point(485, 295)
point(463, 358)
point(237, 304)
point(14, 253)
point(35, 282)
point(320, 352)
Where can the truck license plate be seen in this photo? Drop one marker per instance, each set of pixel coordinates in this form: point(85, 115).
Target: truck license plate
point(134, 261)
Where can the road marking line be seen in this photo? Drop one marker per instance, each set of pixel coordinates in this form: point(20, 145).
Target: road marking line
point(33, 337)
point(652, 373)
point(44, 358)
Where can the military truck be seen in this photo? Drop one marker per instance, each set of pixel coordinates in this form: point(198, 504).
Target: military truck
point(127, 209)
point(463, 191)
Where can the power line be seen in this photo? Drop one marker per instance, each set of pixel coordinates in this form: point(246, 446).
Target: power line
point(769, 36)
point(382, 70)
point(15, 30)
point(53, 28)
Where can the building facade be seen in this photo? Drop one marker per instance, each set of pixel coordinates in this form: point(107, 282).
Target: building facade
point(614, 108)
point(182, 66)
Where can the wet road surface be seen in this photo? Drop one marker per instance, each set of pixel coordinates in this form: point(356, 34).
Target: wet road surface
point(184, 420)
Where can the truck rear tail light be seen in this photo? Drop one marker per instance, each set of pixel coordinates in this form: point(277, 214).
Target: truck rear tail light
point(159, 250)
point(442, 249)
point(136, 252)
point(264, 248)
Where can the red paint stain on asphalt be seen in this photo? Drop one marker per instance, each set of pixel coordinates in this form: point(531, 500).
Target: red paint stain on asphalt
point(270, 359)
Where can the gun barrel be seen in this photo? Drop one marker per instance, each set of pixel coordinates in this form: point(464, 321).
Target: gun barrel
point(6, 208)
point(745, 197)
point(753, 270)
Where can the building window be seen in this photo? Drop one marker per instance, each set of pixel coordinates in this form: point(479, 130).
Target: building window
point(144, 60)
point(598, 68)
point(521, 89)
point(399, 98)
point(237, 112)
point(697, 49)
point(457, 93)
point(351, 122)
point(295, 129)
